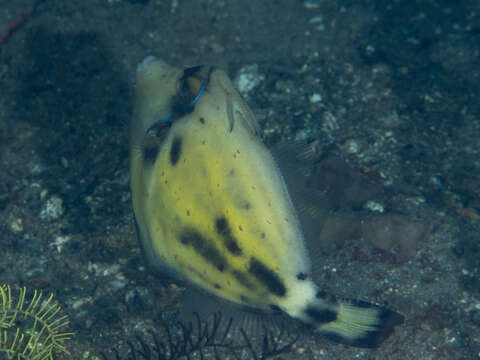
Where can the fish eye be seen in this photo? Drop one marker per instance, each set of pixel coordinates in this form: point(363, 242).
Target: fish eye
point(192, 85)
point(196, 87)
point(191, 90)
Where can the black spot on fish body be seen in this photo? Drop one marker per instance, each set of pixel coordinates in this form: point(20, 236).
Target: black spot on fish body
point(150, 154)
point(217, 286)
point(204, 248)
point(180, 109)
point(275, 308)
point(302, 276)
point(175, 150)
point(223, 229)
point(202, 120)
point(321, 316)
point(268, 277)
point(243, 279)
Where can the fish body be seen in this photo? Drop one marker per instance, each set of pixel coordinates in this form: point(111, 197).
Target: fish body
point(211, 204)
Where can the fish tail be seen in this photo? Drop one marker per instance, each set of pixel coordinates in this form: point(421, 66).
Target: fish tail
point(354, 323)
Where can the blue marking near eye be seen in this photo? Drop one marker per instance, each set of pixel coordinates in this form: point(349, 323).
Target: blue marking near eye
point(198, 95)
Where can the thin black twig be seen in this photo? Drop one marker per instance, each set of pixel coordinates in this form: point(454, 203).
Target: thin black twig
point(182, 341)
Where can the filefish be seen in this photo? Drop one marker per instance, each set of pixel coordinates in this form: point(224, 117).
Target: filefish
point(212, 206)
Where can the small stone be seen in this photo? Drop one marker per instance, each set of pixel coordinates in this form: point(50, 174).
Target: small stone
point(43, 194)
point(315, 98)
point(248, 78)
point(64, 162)
point(352, 146)
point(370, 49)
point(80, 302)
point(374, 206)
point(52, 209)
point(311, 4)
point(316, 19)
point(17, 225)
point(59, 242)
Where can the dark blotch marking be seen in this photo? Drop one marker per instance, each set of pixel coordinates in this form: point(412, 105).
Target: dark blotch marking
point(302, 276)
point(175, 150)
point(247, 206)
point(262, 235)
point(204, 247)
point(217, 286)
point(244, 299)
point(188, 212)
point(268, 277)
point(150, 153)
point(275, 309)
point(321, 316)
point(242, 279)
point(202, 120)
point(223, 229)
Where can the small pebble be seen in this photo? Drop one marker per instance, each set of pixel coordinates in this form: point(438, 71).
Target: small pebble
point(17, 225)
point(52, 209)
point(352, 146)
point(248, 78)
point(59, 242)
point(374, 206)
point(315, 98)
point(311, 4)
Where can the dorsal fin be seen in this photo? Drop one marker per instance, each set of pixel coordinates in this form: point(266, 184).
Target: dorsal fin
point(296, 161)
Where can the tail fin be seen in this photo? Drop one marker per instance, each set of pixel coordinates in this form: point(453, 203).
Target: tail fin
point(354, 323)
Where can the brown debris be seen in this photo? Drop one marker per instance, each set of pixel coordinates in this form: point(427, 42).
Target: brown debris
point(395, 234)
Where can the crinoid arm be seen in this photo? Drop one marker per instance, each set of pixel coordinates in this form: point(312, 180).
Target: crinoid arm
point(31, 328)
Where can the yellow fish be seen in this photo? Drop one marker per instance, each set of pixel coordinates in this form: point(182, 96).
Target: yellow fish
point(211, 204)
